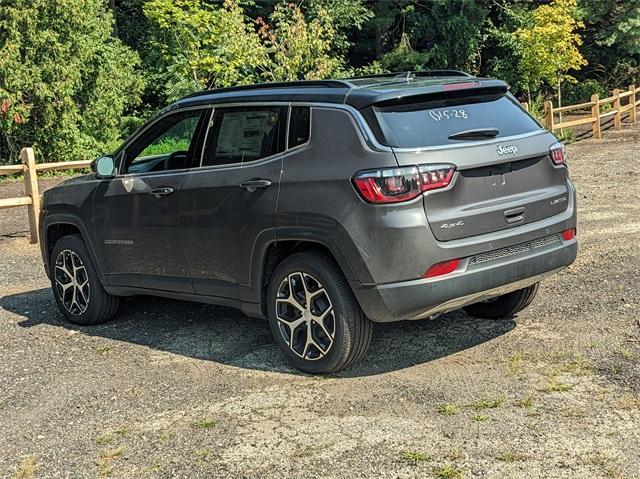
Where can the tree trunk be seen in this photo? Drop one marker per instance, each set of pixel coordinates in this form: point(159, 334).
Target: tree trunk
point(112, 7)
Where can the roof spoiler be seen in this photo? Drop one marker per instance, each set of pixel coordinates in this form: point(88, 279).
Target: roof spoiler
point(463, 88)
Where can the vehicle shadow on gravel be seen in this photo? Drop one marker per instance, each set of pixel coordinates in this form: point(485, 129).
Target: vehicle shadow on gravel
point(227, 336)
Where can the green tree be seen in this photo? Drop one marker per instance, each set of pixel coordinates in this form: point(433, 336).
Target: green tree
point(299, 48)
point(205, 46)
point(612, 40)
point(65, 82)
point(548, 46)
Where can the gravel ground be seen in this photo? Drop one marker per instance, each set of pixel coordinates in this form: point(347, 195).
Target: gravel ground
point(173, 389)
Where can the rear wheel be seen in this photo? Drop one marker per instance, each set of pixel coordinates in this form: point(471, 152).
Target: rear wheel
point(314, 317)
point(505, 305)
point(76, 287)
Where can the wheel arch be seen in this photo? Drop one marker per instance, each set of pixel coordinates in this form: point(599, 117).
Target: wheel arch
point(288, 243)
point(58, 226)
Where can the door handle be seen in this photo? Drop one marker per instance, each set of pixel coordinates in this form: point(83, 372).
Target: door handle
point(162, 191)
point(253, 185)
point(515, 215)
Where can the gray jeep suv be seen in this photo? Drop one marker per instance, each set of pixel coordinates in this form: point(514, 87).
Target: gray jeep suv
point(323, 206)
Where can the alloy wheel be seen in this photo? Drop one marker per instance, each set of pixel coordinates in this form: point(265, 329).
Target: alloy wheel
point(305, 316)
point(72, 282)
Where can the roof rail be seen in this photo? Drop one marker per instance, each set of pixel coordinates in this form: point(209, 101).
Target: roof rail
point(284, 84)
point(412, 74)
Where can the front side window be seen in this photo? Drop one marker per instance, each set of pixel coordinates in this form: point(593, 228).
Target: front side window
point(166, 145)
point(242, 134)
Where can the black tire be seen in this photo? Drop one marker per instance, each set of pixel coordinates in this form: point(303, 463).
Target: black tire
point(349, 330)
point(503, 306)
point(83, 302)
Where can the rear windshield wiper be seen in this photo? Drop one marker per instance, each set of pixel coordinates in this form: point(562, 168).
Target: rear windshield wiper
point(479, 134)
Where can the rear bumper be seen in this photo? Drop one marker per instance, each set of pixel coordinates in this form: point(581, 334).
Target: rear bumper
point(470, 283)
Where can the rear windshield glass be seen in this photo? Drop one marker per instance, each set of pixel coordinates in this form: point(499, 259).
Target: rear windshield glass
point(430, 123)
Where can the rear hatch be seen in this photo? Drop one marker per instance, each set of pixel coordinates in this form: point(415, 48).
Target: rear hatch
point(504, 174)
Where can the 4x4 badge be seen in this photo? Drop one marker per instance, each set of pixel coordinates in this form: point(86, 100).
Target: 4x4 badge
point(507, 150)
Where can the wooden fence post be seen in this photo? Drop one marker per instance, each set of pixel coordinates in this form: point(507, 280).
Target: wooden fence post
point(617, 118)
point(31, 189)
point(632, 102)
point(595, 113)
point(548, 115)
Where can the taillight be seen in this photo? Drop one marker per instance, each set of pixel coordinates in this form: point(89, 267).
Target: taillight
point(439, 269)
point(433, 177)
point(388, 185)
point(558, 154)
point(392, 185)
point(569, 234)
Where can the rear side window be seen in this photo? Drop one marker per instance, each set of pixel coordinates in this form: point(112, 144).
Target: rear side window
point(432, 123)
point(239, 135)
point(299, 125)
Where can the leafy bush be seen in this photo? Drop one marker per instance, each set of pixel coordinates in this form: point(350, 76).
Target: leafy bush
point(574, 93)
point(64, 80)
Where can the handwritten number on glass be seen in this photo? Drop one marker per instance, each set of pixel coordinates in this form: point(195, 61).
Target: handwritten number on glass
point(448, 114)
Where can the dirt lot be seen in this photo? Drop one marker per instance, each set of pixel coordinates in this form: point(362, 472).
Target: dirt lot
point(172, 389)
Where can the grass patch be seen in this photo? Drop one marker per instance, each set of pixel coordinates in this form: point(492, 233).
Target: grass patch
point(104, 439)
point(152, 469)
point(626, 354)
point(628, 402)
point(511, 457)
point(578, 366)
point(555, 386)
point(480, 418)
point(415, 457)
point(596, 459)
point(489, 403)
point(111, 454)
point(107, 437)
point(449, 409)
point(527, 402)
point(164, 436)
point(103, 349)
point(27, 468)
point(455, 454)
point(613, 472)
point(573, 412)
point(202, 453)
point(105, 468)
point(449, 472)
point(205, 423)
point(201, 457)
point(516, 363)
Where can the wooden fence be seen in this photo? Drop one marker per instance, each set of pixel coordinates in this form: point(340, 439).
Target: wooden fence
point(32, 195)
point(622, 103)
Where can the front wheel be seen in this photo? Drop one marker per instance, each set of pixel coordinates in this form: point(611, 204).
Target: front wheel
point(76, 286)
point(314, 317)
point(505, 305)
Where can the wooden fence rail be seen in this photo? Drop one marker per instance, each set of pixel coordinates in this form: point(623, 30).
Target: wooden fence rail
point(622, 103)
point(31, 200)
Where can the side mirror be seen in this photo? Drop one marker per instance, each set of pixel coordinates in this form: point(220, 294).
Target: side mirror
point(104, 167)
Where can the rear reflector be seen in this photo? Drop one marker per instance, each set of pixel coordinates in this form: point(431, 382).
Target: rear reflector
point(558, 154)
point(393, 185)
point(439, 269)
point(569, 234)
